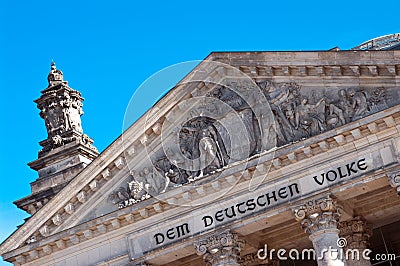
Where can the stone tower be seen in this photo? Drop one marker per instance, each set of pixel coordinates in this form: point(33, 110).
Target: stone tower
point(66, 150)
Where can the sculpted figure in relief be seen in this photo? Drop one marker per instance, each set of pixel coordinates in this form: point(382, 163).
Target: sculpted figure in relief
point(155, 182)
point(310, 118)
point(209, 149)
point(52, 118)
point(359, 103)
point(118, 196)
point(173, 167)
point(210, 155)
point(138, 188)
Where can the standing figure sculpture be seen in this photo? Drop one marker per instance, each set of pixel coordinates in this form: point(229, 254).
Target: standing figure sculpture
point(207, 147)
point(210, 157)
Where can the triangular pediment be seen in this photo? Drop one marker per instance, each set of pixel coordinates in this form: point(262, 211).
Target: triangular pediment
point(231, 107)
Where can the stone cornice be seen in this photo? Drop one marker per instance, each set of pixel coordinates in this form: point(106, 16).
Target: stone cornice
point(350, 134)
point(104, 167)
point(318, 63)
point(307, 57)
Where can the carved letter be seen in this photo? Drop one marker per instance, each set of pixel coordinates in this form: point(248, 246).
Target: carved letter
point(258, 201)
point(361, 164)
point(171, 233)
point(350, 168)
point(159, 238)
point(271, 197)
point(318, 182)
point(219, 216)
point(296, 189)
point(208, 222)
point(331, 172)
point(282, 193)
point(183, 229)
point(233, 213)
point(238, 207)
point(250, 204)
point(340, 172)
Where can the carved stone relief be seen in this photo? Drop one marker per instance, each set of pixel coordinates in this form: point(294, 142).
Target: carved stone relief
point(205, 145)
point(305, 114)
point(61, 108)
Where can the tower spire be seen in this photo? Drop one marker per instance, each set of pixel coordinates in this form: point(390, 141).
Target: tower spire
point(66, 150)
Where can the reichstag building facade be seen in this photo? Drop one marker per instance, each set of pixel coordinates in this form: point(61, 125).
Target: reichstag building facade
point(254, 158)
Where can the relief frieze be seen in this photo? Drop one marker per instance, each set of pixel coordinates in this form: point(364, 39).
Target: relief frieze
point(214, 138)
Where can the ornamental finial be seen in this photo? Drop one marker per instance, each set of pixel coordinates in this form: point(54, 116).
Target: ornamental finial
point(55, 76)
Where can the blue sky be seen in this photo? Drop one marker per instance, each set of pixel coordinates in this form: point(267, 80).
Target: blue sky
point(107, 49)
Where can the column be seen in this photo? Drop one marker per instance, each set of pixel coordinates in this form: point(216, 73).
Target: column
point(356, 232)
point(319, 218)
point(220, 249)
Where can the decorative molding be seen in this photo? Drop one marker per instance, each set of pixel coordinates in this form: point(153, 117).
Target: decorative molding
point(69, 208)
point(57, 219)
point(120, 162)
point(106, 174)
point(81, 197)
point(44, 231)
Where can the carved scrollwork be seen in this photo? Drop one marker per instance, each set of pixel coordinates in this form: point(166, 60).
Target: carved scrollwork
point(357, 232)
point(220, 249)
point(394, 180)
point(319, 214)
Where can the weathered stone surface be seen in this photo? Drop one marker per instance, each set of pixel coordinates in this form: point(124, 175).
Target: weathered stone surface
point(67, 150)
point(333, 132)
point(220, 249)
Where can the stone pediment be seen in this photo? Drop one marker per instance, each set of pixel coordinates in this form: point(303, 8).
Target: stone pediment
point(213, 121)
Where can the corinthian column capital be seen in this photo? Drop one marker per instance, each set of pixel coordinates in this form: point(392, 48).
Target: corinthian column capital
point(220, 249)
point(357, 233)
point(318, 214)
point(394, 180)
